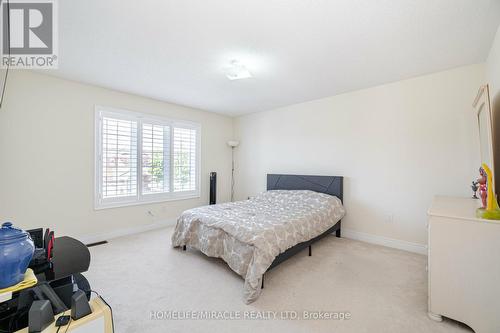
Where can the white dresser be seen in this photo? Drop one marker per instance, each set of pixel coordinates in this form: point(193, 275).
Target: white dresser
point(464, 265)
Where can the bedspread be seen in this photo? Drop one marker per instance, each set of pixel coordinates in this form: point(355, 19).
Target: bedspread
point(248, 235)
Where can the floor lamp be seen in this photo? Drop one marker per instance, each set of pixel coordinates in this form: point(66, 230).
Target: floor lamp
point(233, 144)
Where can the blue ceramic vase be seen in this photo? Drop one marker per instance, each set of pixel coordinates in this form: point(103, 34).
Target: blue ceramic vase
point(16, 251)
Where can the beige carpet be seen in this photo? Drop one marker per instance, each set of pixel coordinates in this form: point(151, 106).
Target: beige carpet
point(384, 290)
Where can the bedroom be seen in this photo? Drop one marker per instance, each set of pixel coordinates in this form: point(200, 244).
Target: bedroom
point(109, 140)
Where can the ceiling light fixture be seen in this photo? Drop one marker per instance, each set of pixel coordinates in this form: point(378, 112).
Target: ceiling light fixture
point(236, 71)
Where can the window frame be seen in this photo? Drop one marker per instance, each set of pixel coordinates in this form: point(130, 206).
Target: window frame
point(141, 198)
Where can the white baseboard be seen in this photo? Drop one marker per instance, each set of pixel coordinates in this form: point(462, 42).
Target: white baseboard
point(384, 241)
point(105, 236)
point(346, 233)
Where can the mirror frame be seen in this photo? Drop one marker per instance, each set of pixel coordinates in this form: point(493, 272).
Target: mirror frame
point(482, 104)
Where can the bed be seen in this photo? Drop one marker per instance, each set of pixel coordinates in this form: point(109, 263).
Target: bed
point(255, 235)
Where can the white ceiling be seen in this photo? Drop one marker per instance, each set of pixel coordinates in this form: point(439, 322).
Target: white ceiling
point(297, 50)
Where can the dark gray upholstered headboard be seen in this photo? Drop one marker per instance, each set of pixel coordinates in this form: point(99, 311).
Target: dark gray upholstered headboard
point(333, 185)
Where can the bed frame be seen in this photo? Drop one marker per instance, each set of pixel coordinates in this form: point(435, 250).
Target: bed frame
point(332, 185)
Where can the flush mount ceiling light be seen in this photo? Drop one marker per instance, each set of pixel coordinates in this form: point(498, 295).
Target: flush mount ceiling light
point(236, 71)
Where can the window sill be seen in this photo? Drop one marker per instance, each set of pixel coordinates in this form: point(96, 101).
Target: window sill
point(118, 204)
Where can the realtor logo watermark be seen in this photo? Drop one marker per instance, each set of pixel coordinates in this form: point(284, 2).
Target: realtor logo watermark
point(29, 34)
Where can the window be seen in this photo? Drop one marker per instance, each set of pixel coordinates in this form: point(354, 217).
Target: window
point(142, 158)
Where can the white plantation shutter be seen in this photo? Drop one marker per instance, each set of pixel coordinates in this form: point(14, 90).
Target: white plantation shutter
point(119, 158)
point(155, 158)
point(184, 159)
point(142, 158)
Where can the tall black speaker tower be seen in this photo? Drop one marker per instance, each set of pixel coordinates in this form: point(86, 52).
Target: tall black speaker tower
point(213, 188)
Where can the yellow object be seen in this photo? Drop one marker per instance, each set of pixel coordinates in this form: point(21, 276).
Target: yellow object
point(29, 281)
point(492, 211)
point(491, 202)
point(99, 321)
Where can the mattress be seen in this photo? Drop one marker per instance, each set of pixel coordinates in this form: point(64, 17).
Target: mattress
point(248, 235)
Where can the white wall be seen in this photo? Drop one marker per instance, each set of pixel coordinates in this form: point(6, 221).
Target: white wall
point(47, 156)
point(398, 145)
point(493, 78)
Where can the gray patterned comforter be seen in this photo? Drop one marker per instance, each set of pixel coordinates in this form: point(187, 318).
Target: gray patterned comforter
point(248, 235)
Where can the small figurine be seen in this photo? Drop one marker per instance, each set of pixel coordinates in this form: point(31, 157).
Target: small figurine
point(483, 187)
point(490, 209)
point(474, 188)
